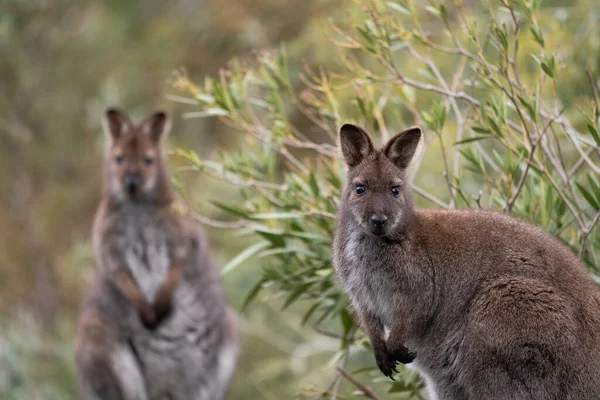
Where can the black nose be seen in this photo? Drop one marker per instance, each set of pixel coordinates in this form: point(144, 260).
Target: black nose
point(132, 183)
point(378, 220)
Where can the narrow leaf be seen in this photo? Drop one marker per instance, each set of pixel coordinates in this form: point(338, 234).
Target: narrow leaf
point(243, 256)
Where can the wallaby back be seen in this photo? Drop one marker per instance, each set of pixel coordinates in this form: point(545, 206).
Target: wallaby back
point(155, 324)
point(484, 305)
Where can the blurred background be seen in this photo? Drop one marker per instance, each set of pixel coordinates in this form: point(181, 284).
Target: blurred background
point(62, 63)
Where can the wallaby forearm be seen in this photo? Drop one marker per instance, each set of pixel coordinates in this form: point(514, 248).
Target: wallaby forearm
point(164, 296)
point(373, 327)
point(130, 289)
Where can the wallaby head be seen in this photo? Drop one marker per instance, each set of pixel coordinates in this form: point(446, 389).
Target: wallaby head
point(135, 166)
point(376, 193)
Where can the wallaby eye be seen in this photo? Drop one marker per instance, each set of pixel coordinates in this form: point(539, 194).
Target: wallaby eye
point(360, 189)
point(119, 160)
point(395, 191)
point(148, 161)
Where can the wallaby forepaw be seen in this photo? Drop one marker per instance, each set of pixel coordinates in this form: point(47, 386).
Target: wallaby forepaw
point(162, 310)
point(403, 355)
point(386, 364)
point(148, 317)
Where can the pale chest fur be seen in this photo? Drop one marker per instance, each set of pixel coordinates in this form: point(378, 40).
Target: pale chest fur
point(368, 276)
point(144, 247)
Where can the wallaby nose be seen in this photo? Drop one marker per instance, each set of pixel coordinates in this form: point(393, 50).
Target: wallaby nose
point(378, 220)
point(132, 183)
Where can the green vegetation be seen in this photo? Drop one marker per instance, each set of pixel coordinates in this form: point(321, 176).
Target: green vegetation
point(493, 89)
point(506, 92)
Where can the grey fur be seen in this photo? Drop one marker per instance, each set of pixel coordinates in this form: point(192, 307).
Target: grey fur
point(483, 305)
point(186, 353)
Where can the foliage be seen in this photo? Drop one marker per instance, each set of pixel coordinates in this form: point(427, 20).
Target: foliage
point(511, 118)
point(63, 62)
point(27, 356)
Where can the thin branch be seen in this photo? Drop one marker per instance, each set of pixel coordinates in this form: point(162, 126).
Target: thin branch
point(446, 177)
point(459, 118)
point(366, 392)
point(433, 199)
point(325, 149)
point(587, 233)
point(579, 163)
point(335, 385)
point(432, 88)
point(218, 224)
point(317, 212)
point(511, 201)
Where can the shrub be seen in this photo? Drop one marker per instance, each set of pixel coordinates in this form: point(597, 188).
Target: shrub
point(510, 112)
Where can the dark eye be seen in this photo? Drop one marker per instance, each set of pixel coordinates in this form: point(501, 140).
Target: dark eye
point(395, 191)
point(360, 189)
point(119, 160)
point(148, 161)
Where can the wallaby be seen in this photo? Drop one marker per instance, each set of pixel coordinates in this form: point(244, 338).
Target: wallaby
point(156, 324)
point(484, 306)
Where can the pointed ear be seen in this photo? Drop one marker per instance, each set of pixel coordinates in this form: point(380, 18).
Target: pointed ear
point(115, 123)
point(157, 125)
point(355, 143)
point(401, 148)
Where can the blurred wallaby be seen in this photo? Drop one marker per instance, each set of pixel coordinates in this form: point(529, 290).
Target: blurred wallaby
point(155, 325)
point(483, 305)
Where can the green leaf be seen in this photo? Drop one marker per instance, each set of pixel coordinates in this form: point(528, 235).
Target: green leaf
point(182, 100)
point(205, 98)
point(588, 196)
point(594, 185)
point(310, 312)
point(209, 112)
point(594, 134)
point(538, 36)
point(275, 239)
point(244, 256)
point(347, 322)
point(471, 139)
point(481, 129)
point(548, 65)
point(397, 7)
point(295, 294)
point(288, 250)
point(530, 108)
point(281, 215)
point(314, 186)
point(232, 210)
point(252, 294)
point(501, 37)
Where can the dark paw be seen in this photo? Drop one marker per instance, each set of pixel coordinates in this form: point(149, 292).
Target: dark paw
point(386, 363)
point(148, 317)
point(162, 311)
point(403, 355)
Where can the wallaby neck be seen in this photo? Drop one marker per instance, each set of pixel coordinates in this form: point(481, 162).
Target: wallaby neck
point(156, 204)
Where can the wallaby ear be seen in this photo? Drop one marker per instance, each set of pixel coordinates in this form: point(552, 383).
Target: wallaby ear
point(115, 123)
point(401, 148)
point(355, 143)
point(157, 125)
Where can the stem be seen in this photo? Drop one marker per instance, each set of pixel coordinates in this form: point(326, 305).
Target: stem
point(368, 393)
point(587, 233)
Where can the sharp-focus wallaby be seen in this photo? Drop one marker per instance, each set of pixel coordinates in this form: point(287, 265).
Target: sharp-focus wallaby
point(485, 306)
point(155, 325)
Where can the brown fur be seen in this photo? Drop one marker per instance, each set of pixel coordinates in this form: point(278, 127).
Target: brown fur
point(156, 284)
point(483, 305)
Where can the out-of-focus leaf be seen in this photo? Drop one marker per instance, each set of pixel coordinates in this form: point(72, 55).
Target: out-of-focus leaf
point(243, 256)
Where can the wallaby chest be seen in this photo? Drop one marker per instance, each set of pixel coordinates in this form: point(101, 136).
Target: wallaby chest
point(369, 273)
point(145, 243)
